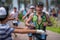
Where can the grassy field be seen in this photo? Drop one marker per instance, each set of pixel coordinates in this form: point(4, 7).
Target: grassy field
point(54, 29)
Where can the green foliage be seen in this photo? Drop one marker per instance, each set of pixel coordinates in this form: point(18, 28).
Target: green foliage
point(20, 17)
point(52, 2)
point(58, 1)
point(54, 29)
point(53, 20)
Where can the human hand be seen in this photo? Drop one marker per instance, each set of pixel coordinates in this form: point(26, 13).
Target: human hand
point(40, 31)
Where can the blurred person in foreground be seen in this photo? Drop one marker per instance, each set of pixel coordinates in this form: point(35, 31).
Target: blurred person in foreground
point(6, 30)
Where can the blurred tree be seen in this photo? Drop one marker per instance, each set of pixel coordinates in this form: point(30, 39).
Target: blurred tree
point(25, 3)
point(0, 2)
point(52, 2)
point(58, 1)
point(8, 1)
point(47, 5)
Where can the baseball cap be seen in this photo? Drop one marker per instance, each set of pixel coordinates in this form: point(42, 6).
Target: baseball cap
point(3, 14)
point(32, 7)
point(2, 11)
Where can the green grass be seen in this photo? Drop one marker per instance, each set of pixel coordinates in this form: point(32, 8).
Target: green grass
point(54, 29)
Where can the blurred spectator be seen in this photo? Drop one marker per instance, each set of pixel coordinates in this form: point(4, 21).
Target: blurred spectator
point(31, 10)
point(53, 12)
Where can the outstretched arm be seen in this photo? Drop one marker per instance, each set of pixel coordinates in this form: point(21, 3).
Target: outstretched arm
point(24, 31)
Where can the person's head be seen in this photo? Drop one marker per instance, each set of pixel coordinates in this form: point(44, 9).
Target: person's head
point(32, 8)
point(39, 6)
point(15, 9)
point(3, 13)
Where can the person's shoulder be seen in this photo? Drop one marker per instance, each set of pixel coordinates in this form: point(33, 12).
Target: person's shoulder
point(12, 12)
point(9, 29)
point(31, 14)
point(6, 26)
point(17, 11)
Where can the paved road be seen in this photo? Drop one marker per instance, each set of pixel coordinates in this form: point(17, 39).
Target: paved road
point(51, 35)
